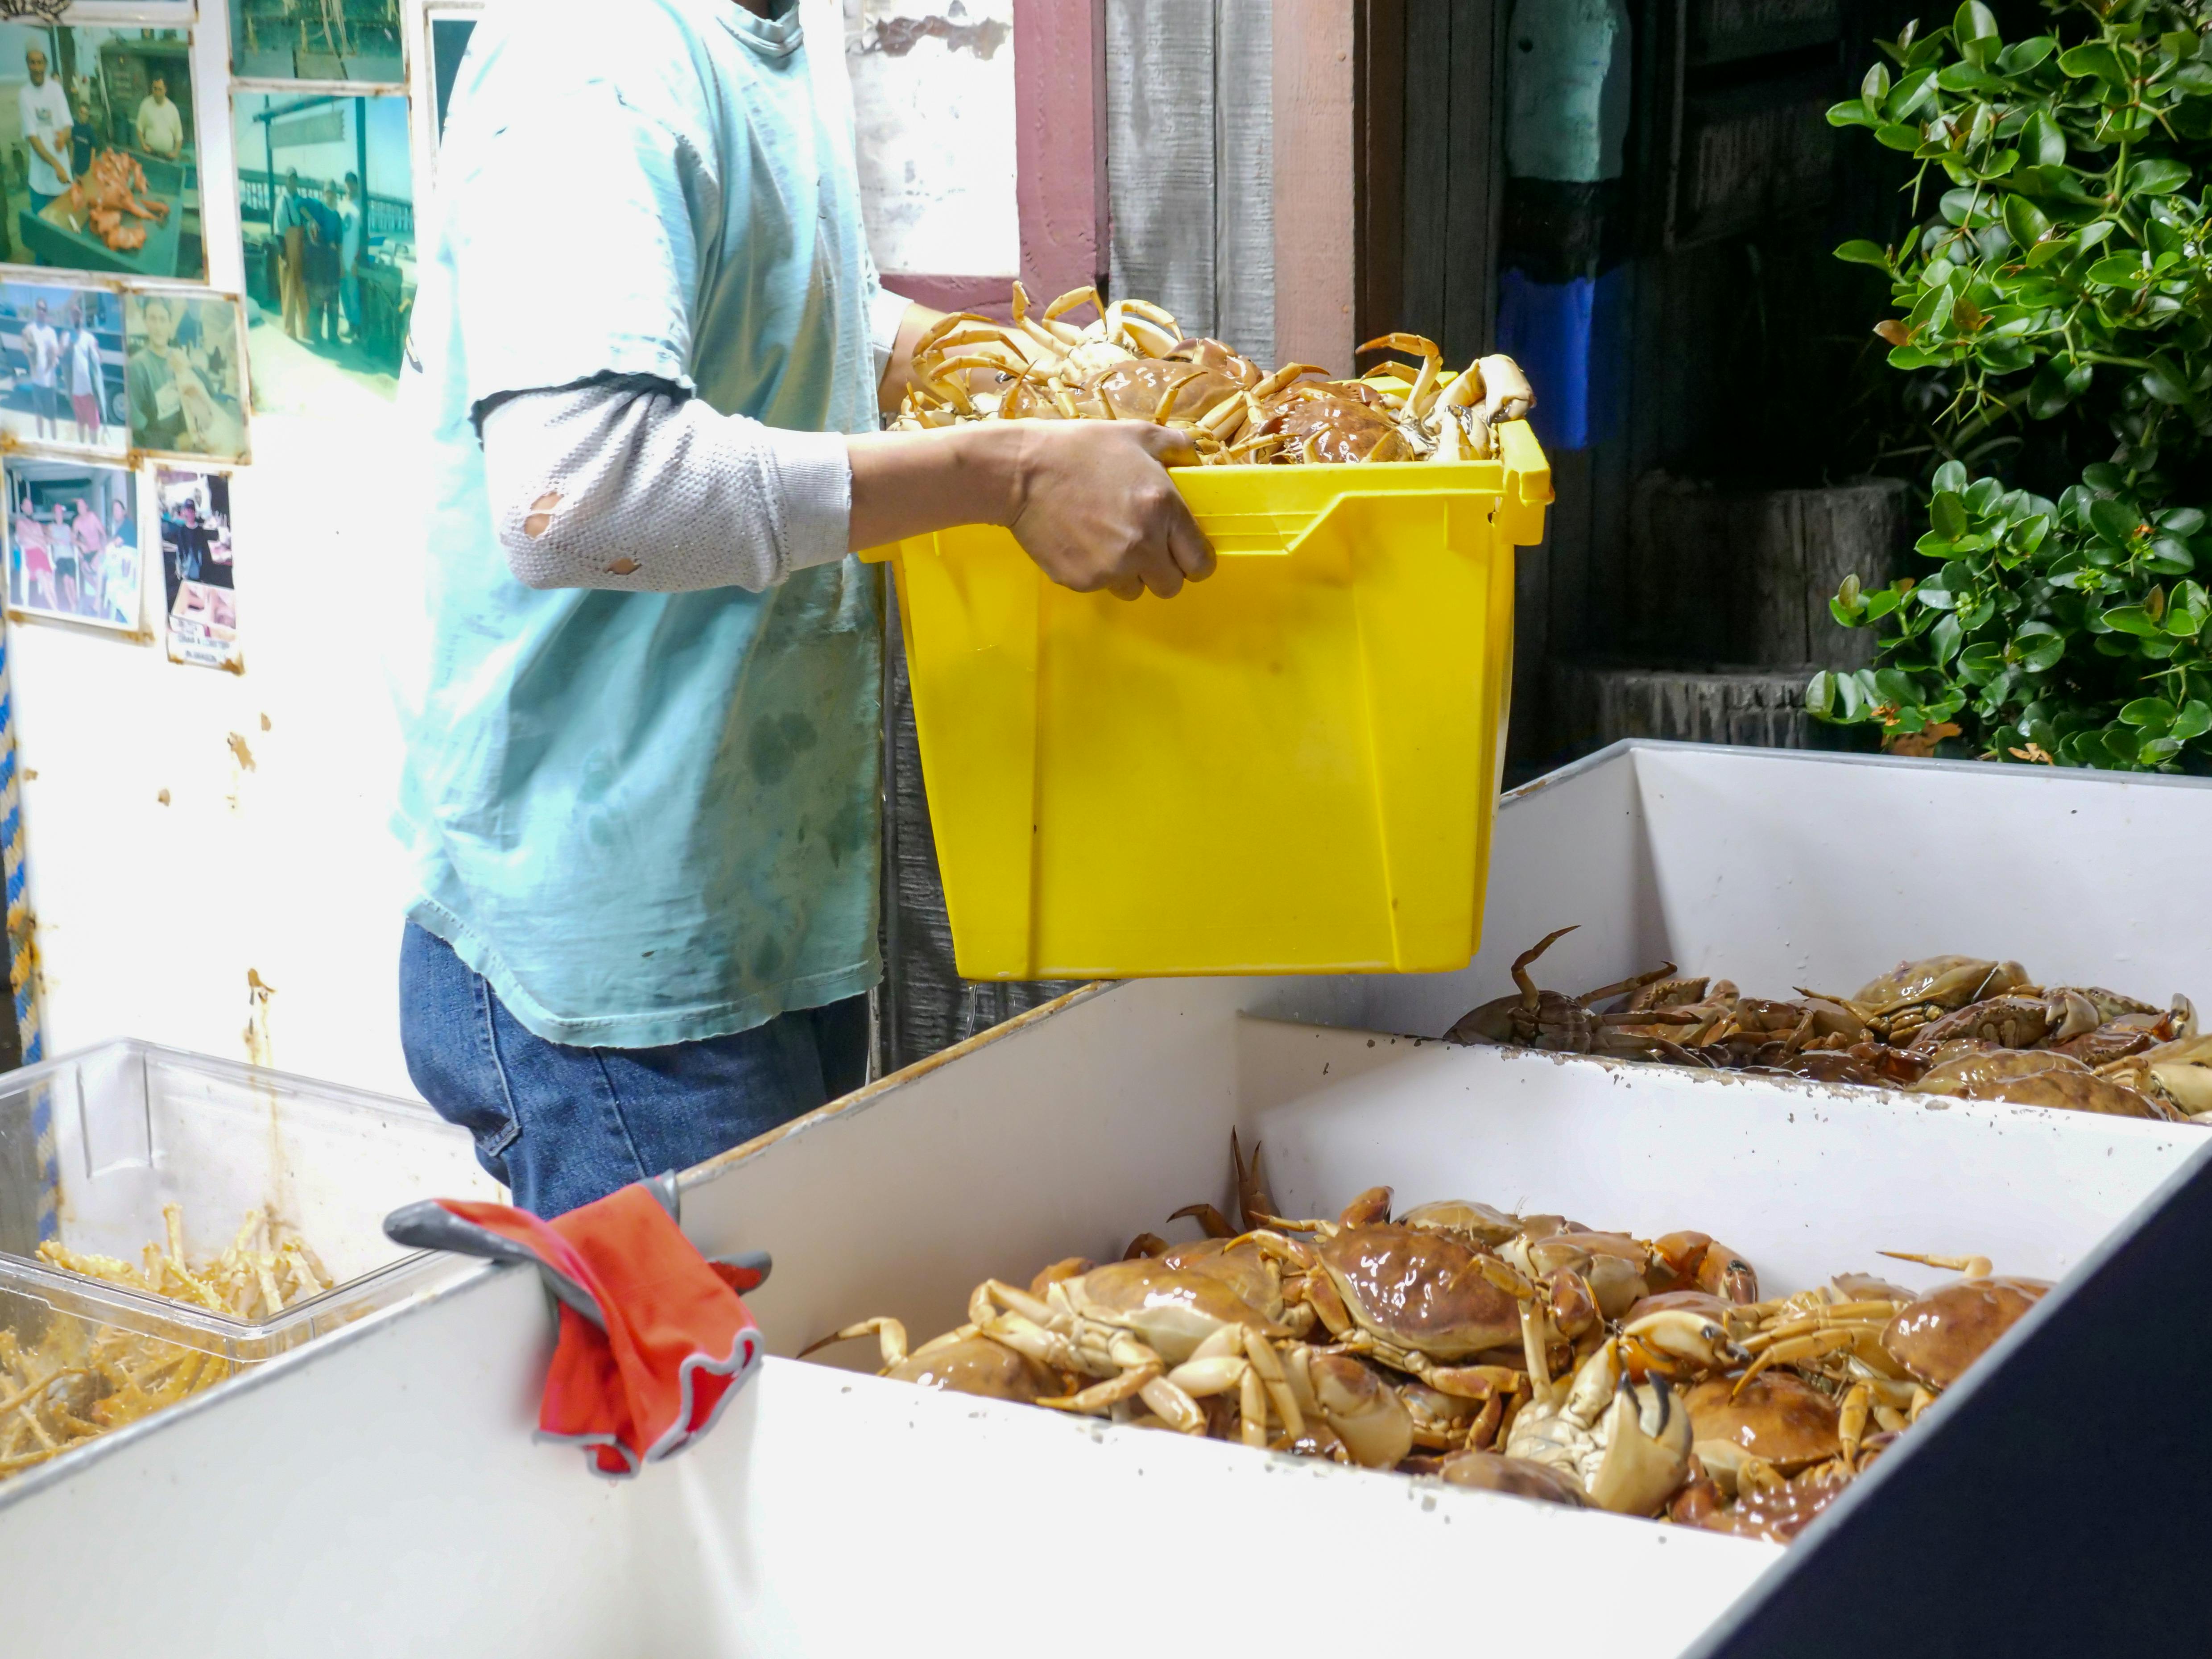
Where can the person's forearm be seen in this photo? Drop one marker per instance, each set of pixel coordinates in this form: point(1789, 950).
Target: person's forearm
point(908, 484)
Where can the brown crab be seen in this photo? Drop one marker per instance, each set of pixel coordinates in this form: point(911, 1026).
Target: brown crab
point(1537, 1018)
point(2037, 1077)
point(960, 1361)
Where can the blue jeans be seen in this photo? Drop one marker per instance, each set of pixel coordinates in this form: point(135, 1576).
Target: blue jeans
point(561, 1126)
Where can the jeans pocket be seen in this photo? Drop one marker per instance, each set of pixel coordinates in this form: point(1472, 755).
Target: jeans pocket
point(446, 1032)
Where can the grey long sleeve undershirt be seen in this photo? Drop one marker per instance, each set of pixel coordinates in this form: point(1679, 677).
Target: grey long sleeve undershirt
point(645, 490)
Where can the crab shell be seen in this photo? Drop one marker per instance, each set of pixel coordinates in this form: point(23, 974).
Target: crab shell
point(977, 1365)
point(1952, 982)
point(1947, 1330)
point(2035, 1077)
point(1628, 1446)
point(1239, 1264)
point(1464, 1220)
point(1340, 421)
point(1171, 1311)
point(1775, 1416)
point(1417, 1291)
point(1487, 1471)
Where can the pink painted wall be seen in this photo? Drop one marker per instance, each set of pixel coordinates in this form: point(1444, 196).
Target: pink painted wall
point(1059, 111)
point(1315, 207)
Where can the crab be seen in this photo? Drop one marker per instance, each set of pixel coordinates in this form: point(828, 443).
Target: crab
point(1911, 994)
point(1133, 362)
point(2038, 1078)
point(1537, 1018)
point(1421, 1302)
point(1776, 1420)
point(2178, 1074)
point(1518, 1477)
point(962, 1361)
point(1162, 1334)
point(1625, 1445)
point(1347, 1410)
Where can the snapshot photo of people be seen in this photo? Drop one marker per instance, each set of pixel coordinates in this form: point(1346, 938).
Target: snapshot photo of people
point(198, 575)
point(327, 198)
point(317, 40)
point(100, 171)
point(182, 377)
point(73, 542)
point(61, 366)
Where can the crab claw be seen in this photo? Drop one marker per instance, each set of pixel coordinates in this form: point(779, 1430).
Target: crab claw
point(1646, 1437)
point(1680, 1333)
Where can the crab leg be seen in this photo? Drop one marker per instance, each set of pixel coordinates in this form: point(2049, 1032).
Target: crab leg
point(1521, 963)
point(1969, 1267)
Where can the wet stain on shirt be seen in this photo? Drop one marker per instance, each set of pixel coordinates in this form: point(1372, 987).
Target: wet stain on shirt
point(775, 744)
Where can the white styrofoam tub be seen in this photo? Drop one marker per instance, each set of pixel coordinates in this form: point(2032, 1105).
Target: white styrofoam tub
point(388, 1469)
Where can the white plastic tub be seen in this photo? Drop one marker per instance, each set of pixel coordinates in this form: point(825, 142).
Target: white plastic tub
point(832, 1512)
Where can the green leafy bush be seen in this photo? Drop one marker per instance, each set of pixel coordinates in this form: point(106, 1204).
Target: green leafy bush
point(2060, 291)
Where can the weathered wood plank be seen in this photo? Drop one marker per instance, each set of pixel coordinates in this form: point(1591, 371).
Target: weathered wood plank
point(1599, 703)
point(1160, 172)
point(1245, 178)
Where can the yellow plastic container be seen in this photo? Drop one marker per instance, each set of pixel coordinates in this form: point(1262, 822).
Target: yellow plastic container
point(1290, 768)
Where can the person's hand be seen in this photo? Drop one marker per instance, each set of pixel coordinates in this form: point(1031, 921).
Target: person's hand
point(1093, 505)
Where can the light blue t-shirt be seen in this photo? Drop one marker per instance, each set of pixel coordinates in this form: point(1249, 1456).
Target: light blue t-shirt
point(645, 817)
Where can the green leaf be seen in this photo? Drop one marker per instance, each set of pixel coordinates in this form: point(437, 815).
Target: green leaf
point(2156, 176)
point(1947, 513)
point(1981, 661)
point(2164, 382)
point(1875, 86)
point(1911, 92)
point(1898, 136)
point(2130, 619)
point(2025, 220)
point(2181, 520)
point(2038, 647)
point(1950, 476)
point(2148, 712)
point(1880, 602)
point(2056, 386)
point(1974, 21)
point(2116, 523)
point(1851, 113)
point(2042, 140)
point(1860, 253)
point(2096, 59)
point(2193, 720)
point(1820, 695)
point(2169, 557)
point(1943, 638)
point(2119, 271)
point(2157, 751)
point(2016, 59)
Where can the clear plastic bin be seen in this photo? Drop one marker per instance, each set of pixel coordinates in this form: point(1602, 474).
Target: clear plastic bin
point(94, 1145)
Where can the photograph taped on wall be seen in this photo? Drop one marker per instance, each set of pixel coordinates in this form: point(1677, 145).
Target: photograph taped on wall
point(73, 542)
point(184, 377)
point(356, 41)
point(101, 170)
point(326, 196)
point(61, 367)
point(198, 579)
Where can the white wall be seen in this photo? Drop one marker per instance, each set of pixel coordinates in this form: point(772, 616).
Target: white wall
point(150, 915)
